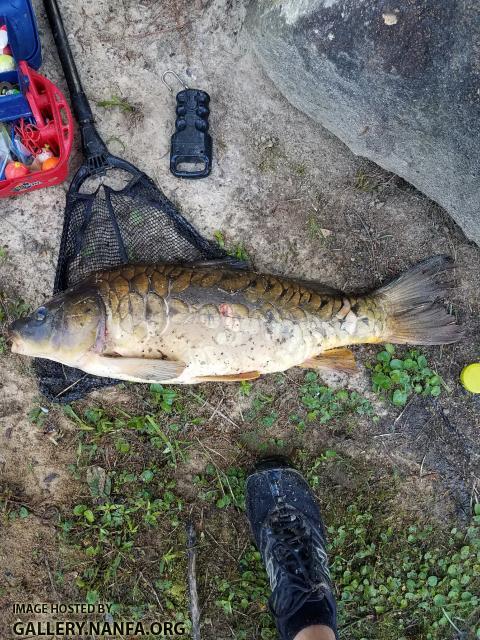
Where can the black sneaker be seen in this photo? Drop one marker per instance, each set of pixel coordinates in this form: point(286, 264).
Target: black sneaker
point(289, 533)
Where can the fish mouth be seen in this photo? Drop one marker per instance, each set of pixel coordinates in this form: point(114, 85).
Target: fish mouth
point(14, 340)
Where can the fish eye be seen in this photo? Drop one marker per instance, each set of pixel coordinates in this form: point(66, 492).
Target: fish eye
point(41, 314)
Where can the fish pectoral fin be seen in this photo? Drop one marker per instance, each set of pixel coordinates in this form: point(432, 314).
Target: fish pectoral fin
point(135, 369)
point(234, 377)
point(332, 360)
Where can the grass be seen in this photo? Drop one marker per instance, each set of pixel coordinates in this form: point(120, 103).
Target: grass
point(371, 179)
point(11, 506)
point(126, 463)
point(222, 488)
point(246, 594)
point(236, 250)
point(273, 156)
point(299, 169)
point(11, 308)
point(400, 378)
point(314, 403)
point(323, 404)
point(164, 397)
point(366, 183)
point(398, 579)
point(116, 101)
point(396, 576)
point(109, 141)
point(125, 504)
point(314, 229)
point(38, 415)
point(107, 534)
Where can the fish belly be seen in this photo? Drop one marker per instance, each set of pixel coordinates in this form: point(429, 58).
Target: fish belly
point(237, 345)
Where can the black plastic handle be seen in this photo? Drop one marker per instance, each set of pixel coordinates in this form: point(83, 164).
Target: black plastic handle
point(94, 149)
point(81, 106)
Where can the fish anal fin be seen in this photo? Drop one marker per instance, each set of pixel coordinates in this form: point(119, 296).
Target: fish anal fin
point(148, 370)
point(332, 360)
point(234, 377)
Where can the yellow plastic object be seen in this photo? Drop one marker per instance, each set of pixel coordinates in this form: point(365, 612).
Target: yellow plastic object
point(7, 63)
point(470, 377)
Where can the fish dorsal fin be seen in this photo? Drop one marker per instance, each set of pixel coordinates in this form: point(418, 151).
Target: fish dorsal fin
point(221, 263)
point(320, 288)
point(332, 360)
point(133, 369)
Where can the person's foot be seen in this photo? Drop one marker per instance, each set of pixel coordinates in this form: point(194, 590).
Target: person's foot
point(289, 533)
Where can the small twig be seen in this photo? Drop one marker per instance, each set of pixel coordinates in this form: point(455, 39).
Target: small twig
point(474, 497)
point(50, 576)
point(204, 446)
point(197, 397)
point(244, 548)
point(452, 623)
point(221, 546)
point(403, 410)
point(152, 589)
point(71, 385)
point(217, 409)
point(385, 435)
point(421, 466)
point(192, 580)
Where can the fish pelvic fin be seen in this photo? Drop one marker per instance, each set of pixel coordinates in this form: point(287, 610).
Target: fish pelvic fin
point(413, 315)
point(133, 369)
point(341, 360)
point(234, 377)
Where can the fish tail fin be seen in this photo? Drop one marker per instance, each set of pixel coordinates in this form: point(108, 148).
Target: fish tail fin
point(412, 314)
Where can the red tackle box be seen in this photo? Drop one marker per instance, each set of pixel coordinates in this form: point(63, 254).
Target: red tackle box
point(39, 105)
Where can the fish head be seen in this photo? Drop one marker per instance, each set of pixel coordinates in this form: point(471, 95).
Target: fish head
point(63, 329)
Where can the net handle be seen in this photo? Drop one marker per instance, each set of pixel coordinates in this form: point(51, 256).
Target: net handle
point(93, 145)
point(83, 112)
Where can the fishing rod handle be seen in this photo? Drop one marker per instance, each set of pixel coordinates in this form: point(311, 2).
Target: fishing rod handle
point(80, 104)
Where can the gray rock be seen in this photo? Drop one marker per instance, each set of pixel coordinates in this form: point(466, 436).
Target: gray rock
point(398, 82)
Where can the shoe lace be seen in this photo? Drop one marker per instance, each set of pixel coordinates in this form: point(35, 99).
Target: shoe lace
point(292, 551)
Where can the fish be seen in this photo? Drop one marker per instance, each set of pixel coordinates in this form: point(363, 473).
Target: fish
point(187, 324)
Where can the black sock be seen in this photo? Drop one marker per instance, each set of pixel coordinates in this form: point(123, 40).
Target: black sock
point(310, 613)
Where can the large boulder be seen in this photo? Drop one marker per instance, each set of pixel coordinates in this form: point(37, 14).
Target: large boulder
point(397, 81)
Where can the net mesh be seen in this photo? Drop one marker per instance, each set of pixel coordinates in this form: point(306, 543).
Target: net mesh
point(105, 229)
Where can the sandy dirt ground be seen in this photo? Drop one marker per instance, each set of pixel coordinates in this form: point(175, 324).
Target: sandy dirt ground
point(298, 199)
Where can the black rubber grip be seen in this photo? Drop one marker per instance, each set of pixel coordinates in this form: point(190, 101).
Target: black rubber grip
point(80, 104)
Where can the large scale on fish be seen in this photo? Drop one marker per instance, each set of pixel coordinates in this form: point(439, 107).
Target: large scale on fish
point(188, 324)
